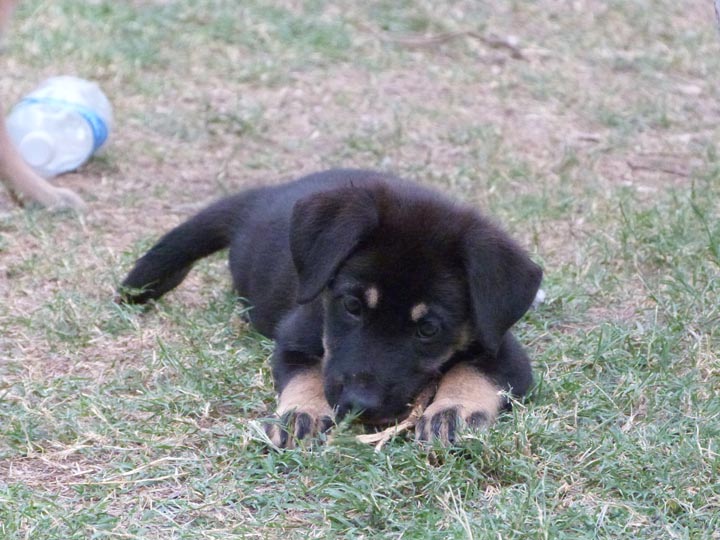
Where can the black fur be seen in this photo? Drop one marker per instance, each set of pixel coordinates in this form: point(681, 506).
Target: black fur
point(303, 253)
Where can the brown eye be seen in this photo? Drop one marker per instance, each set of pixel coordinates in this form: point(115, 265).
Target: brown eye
point(352, 305)
point(427, 329)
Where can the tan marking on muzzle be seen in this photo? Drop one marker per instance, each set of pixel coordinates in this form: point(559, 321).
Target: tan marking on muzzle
point(464, 338)
point(372, 297)
point(418, 311)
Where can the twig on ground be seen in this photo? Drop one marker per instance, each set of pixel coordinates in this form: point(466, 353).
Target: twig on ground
point(656, 167)
point(381, 437)
point(509, 43)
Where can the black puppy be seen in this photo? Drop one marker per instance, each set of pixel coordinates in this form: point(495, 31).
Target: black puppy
point(372, 287)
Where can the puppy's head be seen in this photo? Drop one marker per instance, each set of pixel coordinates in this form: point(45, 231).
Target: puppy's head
point(408, 280)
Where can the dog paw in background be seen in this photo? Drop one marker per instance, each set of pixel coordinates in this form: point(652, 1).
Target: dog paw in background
point(24, 184)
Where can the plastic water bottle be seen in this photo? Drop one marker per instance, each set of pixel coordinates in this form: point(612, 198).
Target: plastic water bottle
point(59, 125)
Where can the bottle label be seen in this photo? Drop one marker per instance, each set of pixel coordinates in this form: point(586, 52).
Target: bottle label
point(97, 125)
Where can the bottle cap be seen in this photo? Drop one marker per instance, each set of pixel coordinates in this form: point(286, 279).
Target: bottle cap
point(37, 148)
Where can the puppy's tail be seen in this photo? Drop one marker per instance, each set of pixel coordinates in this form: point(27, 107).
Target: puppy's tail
point(168, 262)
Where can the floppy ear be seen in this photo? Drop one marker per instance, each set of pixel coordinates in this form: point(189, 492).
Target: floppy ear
point(503, 283)
point(324, 230)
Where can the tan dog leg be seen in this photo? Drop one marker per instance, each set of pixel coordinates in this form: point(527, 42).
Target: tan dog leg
point(302, 409)
point(6, 8)
point(465, 396)
point(19, 177)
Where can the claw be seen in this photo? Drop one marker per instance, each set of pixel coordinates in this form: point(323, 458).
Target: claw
point(444, 424)
point(296, 427)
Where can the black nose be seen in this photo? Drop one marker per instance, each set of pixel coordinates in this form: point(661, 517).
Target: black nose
point(360, 401)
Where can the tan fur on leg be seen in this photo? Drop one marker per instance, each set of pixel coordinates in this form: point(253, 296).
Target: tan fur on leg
point(19, 177)
point(304, 392)
point(6, 9)
point(465, 396)
point(302, 409)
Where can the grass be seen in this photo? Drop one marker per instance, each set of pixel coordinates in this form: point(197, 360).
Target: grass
point(598, 150)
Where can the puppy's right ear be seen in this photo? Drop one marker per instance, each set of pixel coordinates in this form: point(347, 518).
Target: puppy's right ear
point(324, 230)
point(503, 282)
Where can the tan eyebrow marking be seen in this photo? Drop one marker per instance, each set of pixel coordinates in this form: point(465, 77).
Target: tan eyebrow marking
point(372, 297)
point(418, 311)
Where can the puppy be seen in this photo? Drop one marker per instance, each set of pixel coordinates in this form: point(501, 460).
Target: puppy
point(22, 181)
point(372, 288)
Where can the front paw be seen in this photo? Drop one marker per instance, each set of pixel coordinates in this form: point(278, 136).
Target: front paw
point(297, 426)
point(303, 412)
point(443, 420)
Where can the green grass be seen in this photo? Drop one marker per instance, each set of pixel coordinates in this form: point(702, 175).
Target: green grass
point(598, 151)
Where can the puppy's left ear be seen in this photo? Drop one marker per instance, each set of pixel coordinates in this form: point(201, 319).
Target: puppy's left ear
point(325, 228)
point(503, 283)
